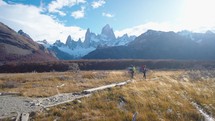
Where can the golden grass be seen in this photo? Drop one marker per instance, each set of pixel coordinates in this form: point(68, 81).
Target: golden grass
point(45, 84)
point(162, 97)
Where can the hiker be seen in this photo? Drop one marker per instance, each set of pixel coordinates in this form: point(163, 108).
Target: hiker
point(131, 71)
point(144, 71)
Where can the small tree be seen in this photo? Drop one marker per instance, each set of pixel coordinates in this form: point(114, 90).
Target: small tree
point(73, 67)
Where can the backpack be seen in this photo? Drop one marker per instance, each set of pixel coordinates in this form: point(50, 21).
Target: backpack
point(143, 69)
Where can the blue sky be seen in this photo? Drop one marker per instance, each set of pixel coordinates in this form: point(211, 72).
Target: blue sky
point(56, 19)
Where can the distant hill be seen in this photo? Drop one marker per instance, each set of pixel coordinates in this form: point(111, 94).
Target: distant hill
point(20, 47)
point(162, 45)
point(60, 54)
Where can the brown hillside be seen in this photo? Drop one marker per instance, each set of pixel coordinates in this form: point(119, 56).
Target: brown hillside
point(15, 47)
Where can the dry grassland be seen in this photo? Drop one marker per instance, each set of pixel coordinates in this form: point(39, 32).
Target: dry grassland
point(49, 84)
point(163, 96)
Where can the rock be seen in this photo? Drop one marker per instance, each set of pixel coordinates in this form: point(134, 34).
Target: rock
point(78, 101)
point(185, 79)
point(18, 116)
point(25, 116)
point(32, 104)
point(47, 109)
point(169, 111)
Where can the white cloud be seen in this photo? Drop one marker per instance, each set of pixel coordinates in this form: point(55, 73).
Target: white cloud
point(140, 29)
point(196, 13)
point(60, 12)
point(56, 5)
point(97, 4)
point(107, 15)
point(2, 3)
point(37, 25)
point(78, 14)
point(137, 30)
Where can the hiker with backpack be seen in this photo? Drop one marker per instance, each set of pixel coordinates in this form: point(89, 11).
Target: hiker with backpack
point(144, 70)
point(131, 71)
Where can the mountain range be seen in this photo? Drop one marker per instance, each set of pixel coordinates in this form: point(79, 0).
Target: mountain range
point(183, 45)
point(18, 46)
point(153, 44)
point(77, 49)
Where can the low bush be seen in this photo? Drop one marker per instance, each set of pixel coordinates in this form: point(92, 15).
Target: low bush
point(10, 84)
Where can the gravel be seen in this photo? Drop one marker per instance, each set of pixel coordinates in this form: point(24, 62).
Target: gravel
point(10, 104)
point(13, 105)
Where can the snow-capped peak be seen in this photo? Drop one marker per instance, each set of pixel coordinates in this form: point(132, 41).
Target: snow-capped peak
point(92, 41)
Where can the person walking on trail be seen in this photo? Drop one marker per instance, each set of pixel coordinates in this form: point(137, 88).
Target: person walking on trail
point(144, 71)
point(131, 71)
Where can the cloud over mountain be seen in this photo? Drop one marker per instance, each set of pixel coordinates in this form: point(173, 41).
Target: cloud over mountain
point(56, 19)
point(38, 25)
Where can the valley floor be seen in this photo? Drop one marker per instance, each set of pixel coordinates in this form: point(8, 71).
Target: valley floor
point(164, 95)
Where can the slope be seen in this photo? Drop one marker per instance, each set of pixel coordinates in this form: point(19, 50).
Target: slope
point(16, 47)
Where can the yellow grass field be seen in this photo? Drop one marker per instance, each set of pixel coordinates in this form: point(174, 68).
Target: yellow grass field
point(166, 95)
point(49, 84)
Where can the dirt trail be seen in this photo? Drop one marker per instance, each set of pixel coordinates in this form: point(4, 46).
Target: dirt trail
point(167, 77)
point(203, 113)
point(13, 106)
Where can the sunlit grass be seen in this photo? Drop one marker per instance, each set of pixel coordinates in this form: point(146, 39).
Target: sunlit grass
point(47, 84)
point(164, 96)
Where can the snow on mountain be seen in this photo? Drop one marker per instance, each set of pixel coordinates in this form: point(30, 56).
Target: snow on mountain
point(58, 43)
point(78, 49)
point(77, 52)
point(72, 44)
point(124, 40)
point(106, 38)
point(91, 39)
point(162, 45)
point(44, 43)
point(196, 37)
point(187, 34)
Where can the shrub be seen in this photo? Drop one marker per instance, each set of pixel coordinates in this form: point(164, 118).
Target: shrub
point(74, 67)
point(101, 75)
point(198, 75)
point(10, 84)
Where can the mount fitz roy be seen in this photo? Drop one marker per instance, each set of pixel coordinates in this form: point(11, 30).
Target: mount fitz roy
point(77, 49)
point(183, 45)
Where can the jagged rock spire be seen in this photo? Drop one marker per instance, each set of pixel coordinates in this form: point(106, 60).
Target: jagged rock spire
point(108, 32)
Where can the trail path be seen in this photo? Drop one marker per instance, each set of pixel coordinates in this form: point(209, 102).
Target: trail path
point(203, 113)
point(20, 107)
point(206, 116)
